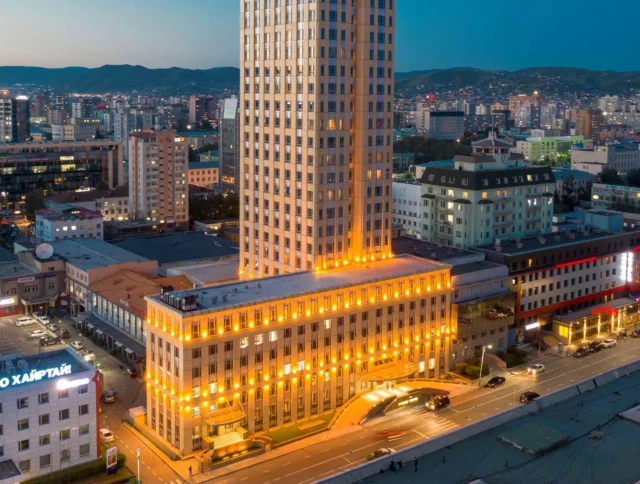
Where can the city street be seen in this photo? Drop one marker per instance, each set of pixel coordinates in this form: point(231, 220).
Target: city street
point(406, 429)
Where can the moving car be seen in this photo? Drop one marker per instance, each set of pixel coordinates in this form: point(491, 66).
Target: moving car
point(65, 334)
point(609, 343)
point(635, 333)
point(25, 321)
point(109, 397)
point(53, 327)
point(582, 352)
point(380, 452)
point(88, 355)
point(527, 397)
point(535, 369)
point(77, 345)
point(37, 333)
point(129, 372)
point(438, 402)
point(595, 346)
point(50, 340)
point(496, 381)
point(106, 435)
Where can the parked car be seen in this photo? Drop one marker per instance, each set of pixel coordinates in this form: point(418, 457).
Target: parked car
point(106, 435)
point(77, 345)
point(129, 372)
point(50, 340)
point(37, 333)
point(496, 381)
point(380, 452)
point(53, 327)
point(527, 397)
point(88, 355)
point(438, 402)
point(38, 315)
point(44, 320)
point(595, 346)
point(109, 397)
point(609, 343)
point(635, 333)
point(582, 352)
point(65, 334)
point(535, 369)
point(25, 321)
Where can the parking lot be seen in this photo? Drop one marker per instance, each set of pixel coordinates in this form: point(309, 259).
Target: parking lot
point(15, 339)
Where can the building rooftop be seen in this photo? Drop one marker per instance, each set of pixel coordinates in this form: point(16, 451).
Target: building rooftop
point(428, 250)
point(87, 254)
point(475, 266)
point(13, 268)
point(7, 255)
point(208, 274)
point(128, 288)
point(579, 440)
point(492, 142)
point(179, 246)
point(298, 284)
point(203, 165)
point(71, 213)
point(605, 307)
point(562, 174)
point(88, 196)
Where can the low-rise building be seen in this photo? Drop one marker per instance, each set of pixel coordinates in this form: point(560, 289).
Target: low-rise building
point(403, 161)
point(620, 198)
point(621, 157)
point(572, 180)
point(70, 223)
point(205, 174)
point(550, 148)
point(286, 348)
point(50, 418)
point(406, 208)
point(112, 204)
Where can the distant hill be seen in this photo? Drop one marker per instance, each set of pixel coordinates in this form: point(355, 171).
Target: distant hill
point(546, 79)
point(175, 80)
point(123, 78)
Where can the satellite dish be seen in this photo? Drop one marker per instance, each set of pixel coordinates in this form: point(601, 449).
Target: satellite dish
point(44, 251)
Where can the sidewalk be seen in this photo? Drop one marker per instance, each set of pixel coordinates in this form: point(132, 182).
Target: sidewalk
point(346, 423)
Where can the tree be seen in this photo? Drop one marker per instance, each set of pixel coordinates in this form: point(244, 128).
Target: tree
point(610, 176)
point(220, 206)
point(102, 185)
point(32, 202)
point(633, 178)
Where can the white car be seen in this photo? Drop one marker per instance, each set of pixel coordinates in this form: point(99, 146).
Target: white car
point(44, 319)
point(535, 369)
point(37, 333)
point(609, 343)
point(38, 315)
point(25, 321)
point(77, 345)
point(106, 435)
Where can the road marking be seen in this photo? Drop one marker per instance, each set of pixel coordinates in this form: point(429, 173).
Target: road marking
point(276, 479)
point(152, 472)
point(420, 433)
point(244, 478)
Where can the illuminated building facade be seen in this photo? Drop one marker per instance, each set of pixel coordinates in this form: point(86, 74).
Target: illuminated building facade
point(250, 356)
point(316, 121)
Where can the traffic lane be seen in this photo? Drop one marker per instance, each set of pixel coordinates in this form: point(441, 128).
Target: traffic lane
point(561, 375)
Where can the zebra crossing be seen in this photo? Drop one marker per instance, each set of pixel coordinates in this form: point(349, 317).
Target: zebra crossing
point(426, 423)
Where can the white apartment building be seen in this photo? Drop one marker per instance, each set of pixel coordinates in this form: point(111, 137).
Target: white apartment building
point(71, 223)
point(486, 196)
point(609, 104)
point(406, 207)
point(112, 204)
point(158, 171)
point(49, 417)
point(620, 157)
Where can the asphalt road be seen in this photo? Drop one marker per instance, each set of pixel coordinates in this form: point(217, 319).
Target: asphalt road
point(410, 427)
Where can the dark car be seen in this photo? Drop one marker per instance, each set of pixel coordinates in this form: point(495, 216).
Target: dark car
point(635, 333)
point(438, 402)
point(496, 381)
point(595, 346)
point(65, 334)
point(129, 372)
point(527, 397)
point(109, 397)
point(582, 352)
point(49, 341)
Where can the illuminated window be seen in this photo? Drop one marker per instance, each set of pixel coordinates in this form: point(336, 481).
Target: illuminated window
point(563, 331)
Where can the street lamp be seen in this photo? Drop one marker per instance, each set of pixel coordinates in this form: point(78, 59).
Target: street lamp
point(484, 347)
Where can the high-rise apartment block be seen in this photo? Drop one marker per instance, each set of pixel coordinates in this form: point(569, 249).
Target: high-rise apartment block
point(589, 123)
point(14, 119)
point(316, 132)
point(229, 146)
point(158, 189)
point(202, 109)
point(525, 109)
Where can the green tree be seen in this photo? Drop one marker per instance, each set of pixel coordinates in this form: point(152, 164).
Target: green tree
point(610, 176)
point(32, 202)
point(220, 206)
point(633, 178)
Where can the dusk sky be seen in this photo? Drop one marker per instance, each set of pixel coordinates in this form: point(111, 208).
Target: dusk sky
point(494, 34)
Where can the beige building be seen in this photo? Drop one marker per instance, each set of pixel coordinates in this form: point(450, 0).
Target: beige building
point(242, 358)
point(205, 174)
point(316, 134)
point(158, 172)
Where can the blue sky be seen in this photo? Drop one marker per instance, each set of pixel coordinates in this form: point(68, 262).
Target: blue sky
point(489, 34)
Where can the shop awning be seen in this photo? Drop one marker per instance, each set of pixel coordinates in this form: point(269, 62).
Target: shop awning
point(224, 417)
point(90, 326)
point(99, 332)
point(118, 344)
point(391, 372)
point(118, 336)
point(128, 351)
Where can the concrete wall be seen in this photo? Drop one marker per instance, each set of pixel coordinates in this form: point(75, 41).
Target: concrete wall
point(406, 455)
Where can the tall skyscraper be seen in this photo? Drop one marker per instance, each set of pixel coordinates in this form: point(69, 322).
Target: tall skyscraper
point(158, 169)
point(14, 119)
point(229, 145)
point(316, 131)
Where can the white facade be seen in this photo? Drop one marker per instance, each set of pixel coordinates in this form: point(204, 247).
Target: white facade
point(609, 104)
point(406, 208)
point(82, 225)
point(621, 158)
point(44, 428)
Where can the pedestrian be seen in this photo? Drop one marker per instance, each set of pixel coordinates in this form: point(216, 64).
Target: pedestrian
point(415, 464)
point(392, 466)
point(190, 472)
point(400, 464)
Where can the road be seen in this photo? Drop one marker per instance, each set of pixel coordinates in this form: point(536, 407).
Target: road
point(130, 392)
point(410, 427)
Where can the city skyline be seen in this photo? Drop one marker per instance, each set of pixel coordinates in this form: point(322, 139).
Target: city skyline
point(201, 35)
